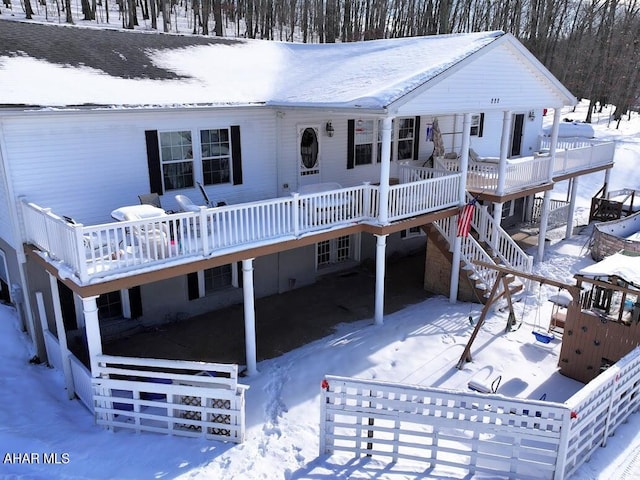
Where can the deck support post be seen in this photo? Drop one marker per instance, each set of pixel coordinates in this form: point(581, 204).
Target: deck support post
point(504, 151)
point(249, 316)
point(462, 198)
point(505, 141)
point(62, 336)
point(572, 207)
point(92, 329)
point(607, 178)
point(546, 202)
point(381, 248)
point(385, 170)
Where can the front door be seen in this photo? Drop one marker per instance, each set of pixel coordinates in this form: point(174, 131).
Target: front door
point(516, 135)
point(309, 154)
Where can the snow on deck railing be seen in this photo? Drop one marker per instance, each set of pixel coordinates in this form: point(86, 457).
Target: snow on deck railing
point(105, 250)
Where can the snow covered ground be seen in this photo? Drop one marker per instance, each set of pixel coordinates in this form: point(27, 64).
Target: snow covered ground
point(419, 345)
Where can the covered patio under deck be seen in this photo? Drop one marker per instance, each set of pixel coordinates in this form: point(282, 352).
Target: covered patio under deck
point(283, 322)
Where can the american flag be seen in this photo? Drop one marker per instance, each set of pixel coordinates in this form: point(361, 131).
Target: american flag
point(465, 215)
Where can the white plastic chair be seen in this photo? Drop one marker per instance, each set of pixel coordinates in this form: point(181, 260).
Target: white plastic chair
point(153, 238)
point(186, 204)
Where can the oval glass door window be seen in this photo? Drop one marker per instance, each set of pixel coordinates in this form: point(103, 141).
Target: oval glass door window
point(309, 151)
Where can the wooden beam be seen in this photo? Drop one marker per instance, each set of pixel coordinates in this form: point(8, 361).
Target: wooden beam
point(585, 171)
point(493, 296)
point(574, 290)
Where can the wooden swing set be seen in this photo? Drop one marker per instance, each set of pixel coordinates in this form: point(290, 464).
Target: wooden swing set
point(503, 273)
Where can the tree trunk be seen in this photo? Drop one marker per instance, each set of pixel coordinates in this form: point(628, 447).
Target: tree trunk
point(217, 17)
point(166, 15)
point(28, 10)
point(69, 15)
point(153, 13)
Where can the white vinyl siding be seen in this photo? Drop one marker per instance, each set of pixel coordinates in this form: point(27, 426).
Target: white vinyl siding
point(94, 163)
point(498, 80)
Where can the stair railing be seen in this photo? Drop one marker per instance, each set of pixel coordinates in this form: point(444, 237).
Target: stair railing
point(470, 252)
point(504, 247)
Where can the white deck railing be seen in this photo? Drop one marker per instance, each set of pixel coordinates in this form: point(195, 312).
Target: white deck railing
point(577, 153)
point(520, 173)
point(471, 252)
point(423, 196)
point(99, 251)
point(572, 155)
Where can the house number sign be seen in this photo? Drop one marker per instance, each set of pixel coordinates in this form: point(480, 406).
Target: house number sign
point(495, 100)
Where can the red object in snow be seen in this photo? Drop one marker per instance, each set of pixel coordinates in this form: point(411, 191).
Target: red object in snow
point(324, 384)
point(465, 215)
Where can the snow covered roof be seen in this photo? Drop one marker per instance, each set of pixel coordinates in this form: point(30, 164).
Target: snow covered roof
point(63, 66)
point(619, 264)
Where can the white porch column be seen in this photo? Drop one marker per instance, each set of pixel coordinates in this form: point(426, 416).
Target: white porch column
point(572, 207)
point(462, 198)
point(62, 336)
point(385, 169)
point(92, 329)
point(505, 140)
point(381, 247)
point(544, 214)
point(249, 316)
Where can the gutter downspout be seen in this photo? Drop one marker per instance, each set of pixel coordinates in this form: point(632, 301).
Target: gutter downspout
point(38, 347)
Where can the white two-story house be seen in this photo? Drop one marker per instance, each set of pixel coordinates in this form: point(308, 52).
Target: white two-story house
point(313, 158)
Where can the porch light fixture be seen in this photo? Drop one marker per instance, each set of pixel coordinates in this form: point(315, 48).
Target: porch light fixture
point(329, 129)
point(532, 115)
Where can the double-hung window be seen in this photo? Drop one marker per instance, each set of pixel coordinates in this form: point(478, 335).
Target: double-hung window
point(179, 158)
point(176, 157)
point(406, 138)
point(216, 155)
point(477, 124)
point(365, 139)
point(217, 278)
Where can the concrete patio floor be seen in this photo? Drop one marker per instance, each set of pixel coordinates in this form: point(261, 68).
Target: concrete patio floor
point(283, 322)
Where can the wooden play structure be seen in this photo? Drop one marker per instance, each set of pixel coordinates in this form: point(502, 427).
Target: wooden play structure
point(502, 278)
point(605, 327)
point(598, 319)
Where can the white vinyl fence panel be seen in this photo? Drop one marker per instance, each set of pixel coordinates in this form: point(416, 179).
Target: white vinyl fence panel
point(192, 399)
point(487, 434)
point(475, 433)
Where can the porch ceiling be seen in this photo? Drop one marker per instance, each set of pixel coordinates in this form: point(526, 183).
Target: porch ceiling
point(164, 273)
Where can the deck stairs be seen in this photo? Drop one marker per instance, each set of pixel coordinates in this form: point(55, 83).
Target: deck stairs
point(488, 243)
